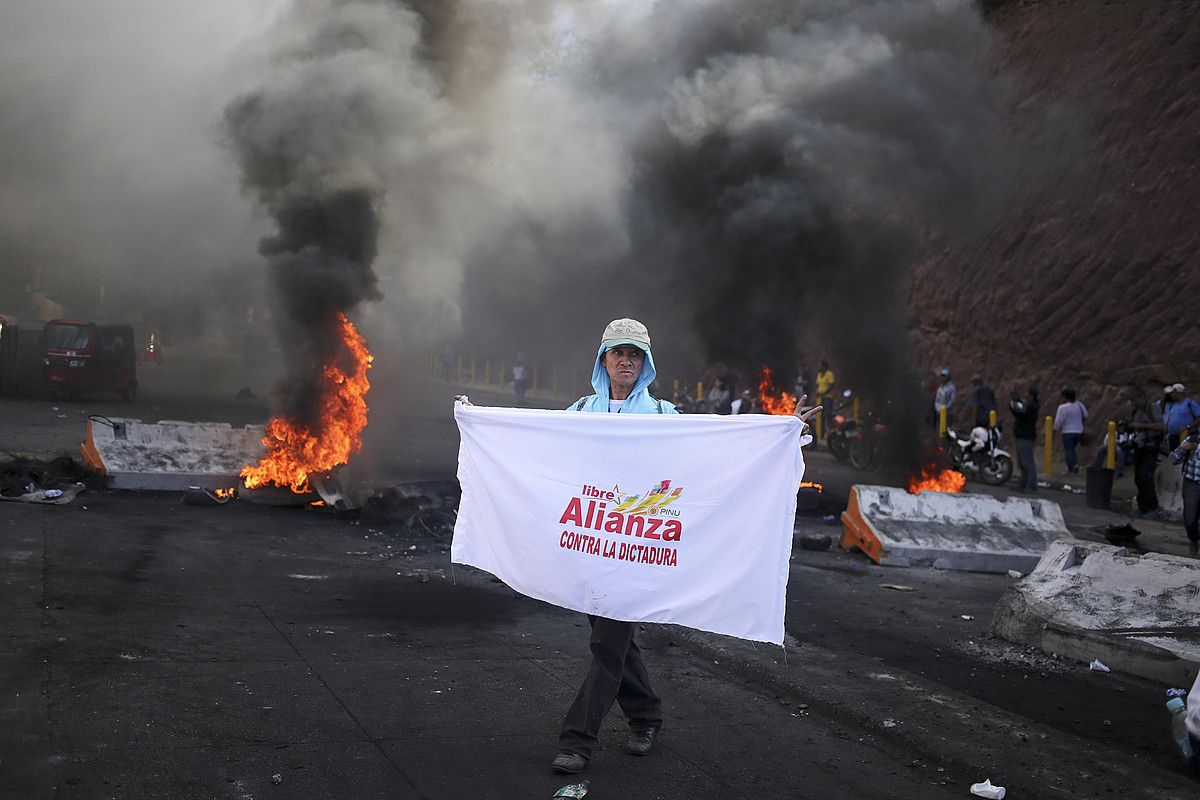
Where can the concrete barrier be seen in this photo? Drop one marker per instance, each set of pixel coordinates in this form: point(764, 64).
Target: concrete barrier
point(1087, 600)
point(169, 455)
point(970, 532)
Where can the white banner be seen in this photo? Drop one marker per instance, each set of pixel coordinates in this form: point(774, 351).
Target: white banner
point(639, 517)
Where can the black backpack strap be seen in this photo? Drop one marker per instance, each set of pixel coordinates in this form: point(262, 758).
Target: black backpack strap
point(579, 405)
point(659, 406)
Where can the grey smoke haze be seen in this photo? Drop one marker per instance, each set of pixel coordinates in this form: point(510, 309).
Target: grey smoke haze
point(751, 178)
point(786, 162)
point(745, 176)
point(113, 192)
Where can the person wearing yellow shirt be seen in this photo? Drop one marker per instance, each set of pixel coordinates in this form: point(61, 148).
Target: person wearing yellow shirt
point(825, 381)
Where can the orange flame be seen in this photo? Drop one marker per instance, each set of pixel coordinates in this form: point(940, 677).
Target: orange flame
point(294, 450)
point(811, 485)
point(774, 401)
point(223, 492)
point(931, 480)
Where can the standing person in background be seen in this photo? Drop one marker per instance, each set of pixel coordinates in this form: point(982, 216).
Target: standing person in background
point(1025, 419)
point(1179, 411)
point(1069, 420)
point(804, 381)
point(519, 381)
point(983, 401)
point(826, 380)
point(944, 398)
point(1188, 455)
point(720, 396)
point(744, 404)
point(1146, 425)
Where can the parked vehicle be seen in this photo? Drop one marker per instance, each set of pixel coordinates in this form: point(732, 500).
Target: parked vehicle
point(866, 446)
point(81, 357)
point(980, 456)
point(842, 431)
point(10, 351)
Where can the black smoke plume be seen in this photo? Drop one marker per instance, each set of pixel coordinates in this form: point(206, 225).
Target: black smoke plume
point(312, 144)
point(788, 163)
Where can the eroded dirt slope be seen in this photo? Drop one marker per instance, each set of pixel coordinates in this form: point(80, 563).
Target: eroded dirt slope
point(1085, 281)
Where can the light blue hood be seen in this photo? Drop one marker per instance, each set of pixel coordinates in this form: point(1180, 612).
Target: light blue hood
point(639, 400)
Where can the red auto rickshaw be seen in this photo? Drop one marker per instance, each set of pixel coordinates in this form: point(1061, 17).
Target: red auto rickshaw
point(83, 357)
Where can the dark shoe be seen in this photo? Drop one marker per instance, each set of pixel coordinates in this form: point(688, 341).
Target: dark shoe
point(567, 761)
point(641, 740)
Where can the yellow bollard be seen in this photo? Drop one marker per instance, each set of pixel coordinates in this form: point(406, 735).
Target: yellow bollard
point(992, 418)
point(942, 422)
point(1110, 459)
point(856, 411)
point(1048, 447)
point(699, 390)
point(473, 373)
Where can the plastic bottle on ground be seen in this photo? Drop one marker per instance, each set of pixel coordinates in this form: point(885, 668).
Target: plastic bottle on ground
point(1179, 732)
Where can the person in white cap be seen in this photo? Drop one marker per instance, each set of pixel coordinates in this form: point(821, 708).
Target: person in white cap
point(622, 376)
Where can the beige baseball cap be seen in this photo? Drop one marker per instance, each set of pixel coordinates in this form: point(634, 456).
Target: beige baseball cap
point(626, 331)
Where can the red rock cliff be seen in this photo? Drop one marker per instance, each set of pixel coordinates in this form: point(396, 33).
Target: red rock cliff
point(1094, 285)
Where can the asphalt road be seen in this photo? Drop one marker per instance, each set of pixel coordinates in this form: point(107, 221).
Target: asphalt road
point(157, 650)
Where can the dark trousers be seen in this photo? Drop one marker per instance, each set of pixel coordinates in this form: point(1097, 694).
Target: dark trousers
point(1025, 461)
point(617, 673)
point(1070, 442)
point(1191, 509)
point(1145, 463)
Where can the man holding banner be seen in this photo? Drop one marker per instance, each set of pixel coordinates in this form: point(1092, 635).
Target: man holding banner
point(544, 510)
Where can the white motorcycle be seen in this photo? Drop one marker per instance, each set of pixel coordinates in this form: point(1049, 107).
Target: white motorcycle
point(980, 455)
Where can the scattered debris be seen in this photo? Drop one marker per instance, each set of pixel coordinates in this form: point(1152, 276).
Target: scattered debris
point(890, 723)
point(199, 496)
point(51, 497)
point(280, 496)
point(573, 790)
point(987, 789)
point(278, 779)
point(56, 482)
point(309, 577)
point(1014, 573)
point(899, 587)
point(967, 617)
point(1122, 535)
point(1098, 666)
point(812, 542)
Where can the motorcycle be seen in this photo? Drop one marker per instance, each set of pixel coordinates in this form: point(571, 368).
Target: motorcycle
point(841, 428)
point(866, 446)
point(857, 442)
point(980, 456)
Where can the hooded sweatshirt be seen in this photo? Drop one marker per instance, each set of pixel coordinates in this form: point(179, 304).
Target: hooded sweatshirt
point(639, 400)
